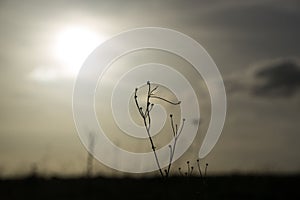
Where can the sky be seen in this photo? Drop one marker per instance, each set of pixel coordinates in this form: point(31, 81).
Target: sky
point(255, 45)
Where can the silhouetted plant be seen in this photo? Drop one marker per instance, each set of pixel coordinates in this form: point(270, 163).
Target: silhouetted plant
point(190, 170)
point(176, 134)
point(89, 161)
point(188, 167)
point(205, 173)
point(200, 171)
point(180, 173)
point(145, 114)
point(199, 168)
point(205, 169)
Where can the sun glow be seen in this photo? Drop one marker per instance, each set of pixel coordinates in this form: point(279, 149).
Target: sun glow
point(73, 45)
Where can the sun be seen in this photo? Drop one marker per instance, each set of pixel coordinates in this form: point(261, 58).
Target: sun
point(73, 45)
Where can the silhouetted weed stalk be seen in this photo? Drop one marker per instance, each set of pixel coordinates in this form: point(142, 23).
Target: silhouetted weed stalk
point(89, 162)
point(145, 114)
point(200, 172)
point(190, 169)
point(176, 132)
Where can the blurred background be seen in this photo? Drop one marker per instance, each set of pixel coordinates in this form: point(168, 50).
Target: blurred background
point(255, 45)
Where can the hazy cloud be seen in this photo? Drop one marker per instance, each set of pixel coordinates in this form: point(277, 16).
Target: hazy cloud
point(281, 78)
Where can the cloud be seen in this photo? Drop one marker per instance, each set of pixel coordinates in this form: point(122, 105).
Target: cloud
point(281, 78)
point(273, 78)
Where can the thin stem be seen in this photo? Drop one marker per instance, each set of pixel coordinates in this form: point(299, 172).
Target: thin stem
point(205, 173)
point(179, 169)
point(170, 102)
point(154, 89)
point(90, 157)
point(153, 147)
point(176, 135)
point(188, 165)
point(172, 125)
point(199, 168)
point(171, 155)
point(147, 122)
point(181, 128)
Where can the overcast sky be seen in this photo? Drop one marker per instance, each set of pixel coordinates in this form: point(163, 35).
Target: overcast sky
point(255, 45)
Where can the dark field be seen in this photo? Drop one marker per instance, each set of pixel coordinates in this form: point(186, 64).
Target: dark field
point(218, 187)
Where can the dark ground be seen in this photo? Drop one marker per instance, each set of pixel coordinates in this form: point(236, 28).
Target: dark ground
point(218, 187)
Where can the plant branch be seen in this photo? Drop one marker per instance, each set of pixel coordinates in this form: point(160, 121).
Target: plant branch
point(145, 114)
point(170, 102)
